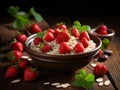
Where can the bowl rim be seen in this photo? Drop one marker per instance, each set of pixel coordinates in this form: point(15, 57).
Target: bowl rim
point(66, 55)
point(112, 32)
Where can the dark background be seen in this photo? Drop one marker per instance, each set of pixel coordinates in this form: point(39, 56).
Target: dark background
point(64, 7)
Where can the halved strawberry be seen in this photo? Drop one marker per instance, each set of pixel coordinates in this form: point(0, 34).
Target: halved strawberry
point(64, 48)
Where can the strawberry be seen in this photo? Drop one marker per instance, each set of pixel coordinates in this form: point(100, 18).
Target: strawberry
point(56, 32)
point(102, 29)
point(45, 48)
point(85, 42)
point(64, 48)
point(100, 52)
point(23, 64)
point(14, 56)
point(50, 30)
point(100, 69)
point(75, 32)
point(35, 28)
point(84, 34)
point(48, 37)
point(21, 38)
point(11, 72)
point(61, 26)
point(78, 48)
point(37, 40)
point(30, 74)
point(62, 36)
point(17, 46)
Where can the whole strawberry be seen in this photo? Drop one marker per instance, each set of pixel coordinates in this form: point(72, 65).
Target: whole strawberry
point(102, 29)
point(37, 40)
point(64, 48)
point(11, 72)
point(62, 36)
point(48, 37)
point(14, 56)
point(30, 74)
point(75, 32)
point(35, 28)
point(78, 48)
point(100, 69)
point(17, 46)
point(23, 64)
point(85, 42)
point(45, 48)
point(21, 38)
point(84, 34)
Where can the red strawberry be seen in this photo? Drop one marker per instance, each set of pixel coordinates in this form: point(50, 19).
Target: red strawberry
point(46, 48)
point(85, 42)
point(56, 32)
point(17, 46)
point(35, 28)
point(50, 30)
point(30, 74)
point(48, 37)
point(78, 48)
point(21, 38)
point(99, 53)
point(102, 29)
point(84, 34)
point(62, 36)
point(37, 40)
point(23, 64)
point(61, 26)
point(64, 48)
point(14, 56)
point(11, 72)
point(100, 69)
point(75, 32)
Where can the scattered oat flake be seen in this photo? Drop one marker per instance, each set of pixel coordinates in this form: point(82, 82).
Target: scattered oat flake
point(46, 83)
point(55, 84)
point(99, 79)
point(64, 86)
point(29, 59)
point(107, 82)
point(58, 86)
point(93, 64)
point(15, 81)
point(25, 57)
point(100, 84)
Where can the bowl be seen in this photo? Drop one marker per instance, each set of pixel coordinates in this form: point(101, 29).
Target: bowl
point(108, 36)
point(62, 63)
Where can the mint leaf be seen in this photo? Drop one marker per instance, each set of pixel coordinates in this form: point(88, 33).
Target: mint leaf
point(20, 22)
point(85, 28)
point(36, 15)
point(77, 24)
point(82, 79)
point(105, 43)
point(40, 34)
point(13, 10)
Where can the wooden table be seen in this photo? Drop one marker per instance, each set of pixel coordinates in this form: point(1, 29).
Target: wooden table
point(113, 62)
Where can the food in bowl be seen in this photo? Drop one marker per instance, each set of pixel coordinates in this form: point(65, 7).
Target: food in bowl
point(63, 50)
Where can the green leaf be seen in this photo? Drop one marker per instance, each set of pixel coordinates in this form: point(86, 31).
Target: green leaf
point(85, 28)
point(83, 72)
point(90, 77)
point(40, 34)
point(36, 15)
point(20, 22)
point(105, 43)
point(77, 25)
point(13, 10)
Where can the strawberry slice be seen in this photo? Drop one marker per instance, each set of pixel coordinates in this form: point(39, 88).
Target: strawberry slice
point(62, 36)
point(64, 48)
point(78, 48)
point(30, 74)
point(11, 72)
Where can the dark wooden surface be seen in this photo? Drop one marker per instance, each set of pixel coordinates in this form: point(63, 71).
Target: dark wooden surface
point(113, 62)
